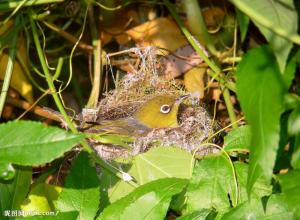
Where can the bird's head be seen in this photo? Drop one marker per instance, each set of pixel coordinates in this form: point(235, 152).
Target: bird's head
point(160, 111)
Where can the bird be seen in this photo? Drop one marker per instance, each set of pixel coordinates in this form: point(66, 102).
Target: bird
point(158, 112)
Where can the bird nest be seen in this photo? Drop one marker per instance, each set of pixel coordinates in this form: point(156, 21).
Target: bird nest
point(132, 91)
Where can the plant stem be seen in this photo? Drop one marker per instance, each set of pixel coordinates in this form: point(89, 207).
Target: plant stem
point(229, 106)
point(95, 93)
point(9, 67)
point(197, 25)
point(68, 36)
point(49, 77)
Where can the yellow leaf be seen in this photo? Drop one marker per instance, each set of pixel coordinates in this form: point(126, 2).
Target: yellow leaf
point(193, 80)
point(41, 198)
point(161, 32)
point(19, 80)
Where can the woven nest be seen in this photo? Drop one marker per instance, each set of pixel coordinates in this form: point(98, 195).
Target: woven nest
point(135, 89)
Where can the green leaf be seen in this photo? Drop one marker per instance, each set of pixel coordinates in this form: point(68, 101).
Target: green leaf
point(149, 201)
point(14, 191)
point(290, 70)
point(120, 140)
point(158, 162)
point(296, 154)
point(112, 188)
point(7, 171)
point(274, 209)
point(278, 13)
point(294, 121)
point(41, 198)
point(243, 21)
point(291, 101)
point(81, 191)
point(213, 185)
point(260, 91)
point(260, 188)
point(32, 143)
point(239, 139)
point(161, 162)
point(196, 215)
point(290, 187)
point(283, 159)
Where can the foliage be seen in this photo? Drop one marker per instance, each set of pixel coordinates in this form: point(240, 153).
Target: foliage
point(46, 170)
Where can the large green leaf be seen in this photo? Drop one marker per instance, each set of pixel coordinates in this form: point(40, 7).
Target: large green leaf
point(239, 139)
point(13, 192)
point(290, 187)
point(260, 188)
point(158, 162)
point(274, 209)
point(278, 13)
point(213, 185)
point(161, 162)
point(260, 91)
point(149, 201)
point(81, 191)
point(32, 143)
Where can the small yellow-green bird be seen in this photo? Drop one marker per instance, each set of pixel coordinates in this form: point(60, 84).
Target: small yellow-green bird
point(158, 112)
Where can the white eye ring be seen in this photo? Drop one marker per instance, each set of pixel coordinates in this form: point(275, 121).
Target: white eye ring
point(165, 109)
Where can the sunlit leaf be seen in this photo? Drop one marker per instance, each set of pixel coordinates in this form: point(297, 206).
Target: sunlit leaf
point(149, 201)
point(238, 139)
point(41, 198)
point(260, 188)
point(157, 33)
point(81, 190)
point(275, 209)
point(158, 162)
point(260, 91)
point(213, 185)
point(32, 143)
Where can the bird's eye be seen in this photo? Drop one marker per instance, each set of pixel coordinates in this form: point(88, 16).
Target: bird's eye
point(165, 109)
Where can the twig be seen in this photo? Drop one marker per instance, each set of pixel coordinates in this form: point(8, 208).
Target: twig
point(68, 36)
point(30, 107)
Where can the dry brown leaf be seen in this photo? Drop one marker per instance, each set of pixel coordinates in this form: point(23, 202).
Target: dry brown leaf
point(213, 17)
point(179, 62)
point(193, 81)
point(216, 94)
point(161, 32)
point(117, 28)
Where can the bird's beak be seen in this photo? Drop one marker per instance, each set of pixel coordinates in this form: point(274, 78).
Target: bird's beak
point(181, 98)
